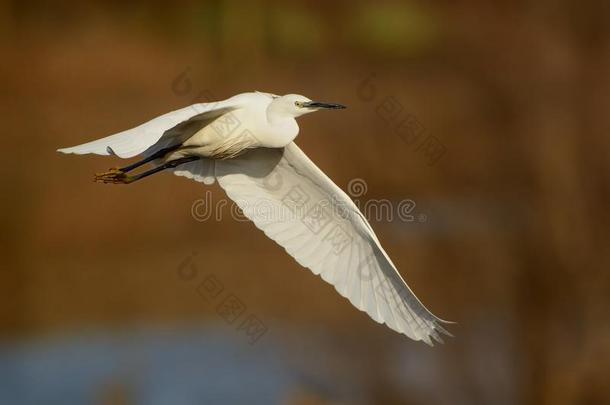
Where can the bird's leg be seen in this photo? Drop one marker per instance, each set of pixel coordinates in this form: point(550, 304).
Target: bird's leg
point(115, 171)
point(158, 154)
point(120, 177)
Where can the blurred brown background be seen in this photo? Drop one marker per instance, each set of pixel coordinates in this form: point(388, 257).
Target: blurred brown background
point(513, 244)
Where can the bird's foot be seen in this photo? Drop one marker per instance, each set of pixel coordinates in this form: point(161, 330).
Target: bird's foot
point(113, 176)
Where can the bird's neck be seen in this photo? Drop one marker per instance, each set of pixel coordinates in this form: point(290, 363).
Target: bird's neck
point(276, 114)
point(281, 131)
point(280, 120)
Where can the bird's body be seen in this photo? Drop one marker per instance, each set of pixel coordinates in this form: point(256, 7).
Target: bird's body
point(254, 125)
point(246, 144)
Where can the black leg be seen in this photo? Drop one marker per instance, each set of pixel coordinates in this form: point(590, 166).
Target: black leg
point(119, 177)
point(168, 165)
point(158, 154)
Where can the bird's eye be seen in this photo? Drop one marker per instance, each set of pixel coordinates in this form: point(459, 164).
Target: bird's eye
point(298, 104)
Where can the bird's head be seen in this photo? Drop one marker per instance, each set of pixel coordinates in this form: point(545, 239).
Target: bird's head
point(295, 105)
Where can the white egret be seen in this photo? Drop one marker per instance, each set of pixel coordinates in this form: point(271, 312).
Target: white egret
point(246, 144)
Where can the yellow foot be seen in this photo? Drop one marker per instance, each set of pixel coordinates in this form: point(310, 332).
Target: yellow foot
point(113, 176)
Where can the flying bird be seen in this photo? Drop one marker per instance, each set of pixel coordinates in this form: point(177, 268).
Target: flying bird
point(246, 144)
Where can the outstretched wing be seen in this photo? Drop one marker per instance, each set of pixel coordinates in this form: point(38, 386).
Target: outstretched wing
point(158, 132)
point(299, 207)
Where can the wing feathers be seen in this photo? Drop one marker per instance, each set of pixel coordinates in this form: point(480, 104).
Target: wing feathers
point(137, 140)
point(317, 224)
point(201, 170)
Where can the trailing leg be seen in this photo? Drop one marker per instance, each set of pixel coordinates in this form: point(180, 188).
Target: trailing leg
point(120, 177)
point(115, 171)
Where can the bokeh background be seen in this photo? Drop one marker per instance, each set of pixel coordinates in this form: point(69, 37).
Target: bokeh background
point(511, 231)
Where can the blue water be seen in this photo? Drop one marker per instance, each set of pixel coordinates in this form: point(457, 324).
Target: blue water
point(153, 367)
point(217, 365)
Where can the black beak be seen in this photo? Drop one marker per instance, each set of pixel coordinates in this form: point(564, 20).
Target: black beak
point(317, 104)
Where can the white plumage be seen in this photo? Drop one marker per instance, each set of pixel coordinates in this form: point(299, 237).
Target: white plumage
point(139, 140)
point(284, 193)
